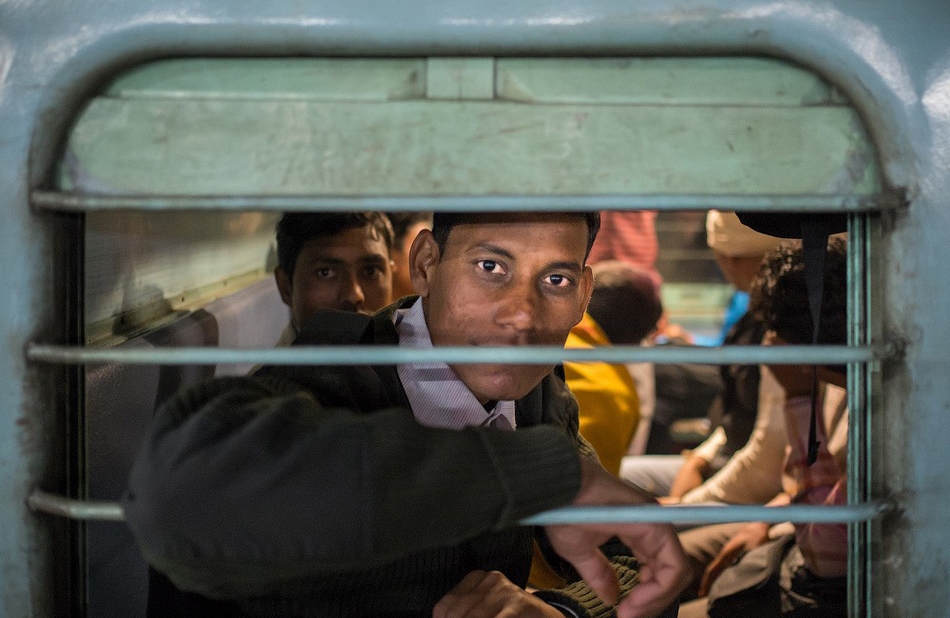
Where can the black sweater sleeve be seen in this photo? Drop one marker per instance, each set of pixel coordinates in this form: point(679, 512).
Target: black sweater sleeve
point(246, 482)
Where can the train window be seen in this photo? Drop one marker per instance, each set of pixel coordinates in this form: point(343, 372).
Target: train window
point(429, 127)
point(181, 166)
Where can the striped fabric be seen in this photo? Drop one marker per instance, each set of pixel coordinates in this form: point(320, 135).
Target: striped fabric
point(437, 397)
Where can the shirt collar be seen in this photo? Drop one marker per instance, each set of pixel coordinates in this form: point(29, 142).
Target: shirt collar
point(436, 395)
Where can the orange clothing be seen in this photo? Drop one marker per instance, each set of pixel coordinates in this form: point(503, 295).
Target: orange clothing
point(606, 395)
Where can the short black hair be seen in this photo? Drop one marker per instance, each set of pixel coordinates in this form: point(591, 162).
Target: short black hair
point(295, 229)
point(626, 301)
point(443, 222)
point(779, 295)
point(403, 220)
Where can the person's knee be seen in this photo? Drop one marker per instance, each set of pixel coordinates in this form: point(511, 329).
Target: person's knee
point(694, 609)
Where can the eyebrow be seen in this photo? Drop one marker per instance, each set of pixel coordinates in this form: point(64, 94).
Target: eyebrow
point(494, 249)
point(571, 266)
point(375, 257)
point(332, 261)
point(320, 259)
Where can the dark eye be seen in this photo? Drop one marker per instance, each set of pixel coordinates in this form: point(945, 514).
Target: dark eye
point(490, 266)
point(325, 273)
point(559, 281)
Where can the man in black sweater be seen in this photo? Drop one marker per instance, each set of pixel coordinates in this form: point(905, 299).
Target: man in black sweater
point(397, 491)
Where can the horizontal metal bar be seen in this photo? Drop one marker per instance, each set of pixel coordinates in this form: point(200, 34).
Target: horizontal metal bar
point(112, 511)
point(43, 502)
point(72, 202)
point(393, 355)
point(797, 513)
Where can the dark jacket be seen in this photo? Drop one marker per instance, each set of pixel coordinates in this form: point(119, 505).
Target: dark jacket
point(312, 491)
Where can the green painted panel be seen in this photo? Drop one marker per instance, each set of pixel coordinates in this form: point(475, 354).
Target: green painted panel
point(438, 147)
point(268, 78)
point(460, 78)
point(669, 81)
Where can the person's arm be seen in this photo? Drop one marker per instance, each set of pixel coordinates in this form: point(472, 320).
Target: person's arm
point(243, 483)
point(696, 466)
point(754, 473)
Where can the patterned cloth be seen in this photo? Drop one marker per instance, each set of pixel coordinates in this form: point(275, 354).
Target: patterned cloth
point(436, 395)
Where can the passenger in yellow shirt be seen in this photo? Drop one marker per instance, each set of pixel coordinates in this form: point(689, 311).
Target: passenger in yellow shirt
point(624, 309)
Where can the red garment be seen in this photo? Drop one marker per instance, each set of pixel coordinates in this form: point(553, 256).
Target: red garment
point(629, 237)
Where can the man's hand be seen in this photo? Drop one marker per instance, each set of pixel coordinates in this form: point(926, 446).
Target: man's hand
point(483, 594)
point(663, 571)
point(748, 538)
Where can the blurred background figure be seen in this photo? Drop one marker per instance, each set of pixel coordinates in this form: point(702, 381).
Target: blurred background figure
point(756, 569)
point(682, 388)
point(738, 251)
point(623, 310)
point(406, 226)
point(630, 237)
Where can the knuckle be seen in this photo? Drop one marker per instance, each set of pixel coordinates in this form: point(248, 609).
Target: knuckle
point(494, 577)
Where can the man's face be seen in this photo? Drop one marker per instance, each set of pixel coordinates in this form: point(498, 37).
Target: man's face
point(505, 280)
point(350, 271)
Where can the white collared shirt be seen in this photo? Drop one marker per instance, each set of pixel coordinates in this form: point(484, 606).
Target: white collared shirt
point(436, 395)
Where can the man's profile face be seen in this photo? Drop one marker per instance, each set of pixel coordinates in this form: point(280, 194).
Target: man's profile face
point(504, 280)
point(350, 271)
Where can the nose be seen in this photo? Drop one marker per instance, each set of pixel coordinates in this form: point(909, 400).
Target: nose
point(519, 308)
point(351, 294)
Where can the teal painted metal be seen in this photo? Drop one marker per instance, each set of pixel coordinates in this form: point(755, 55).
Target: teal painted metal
point(112, 511)
point(860, 584)
point(392, 355)
point(891, 59)
point(67, 202)
point(85, 510)
point(710, 514)
point(461, 139)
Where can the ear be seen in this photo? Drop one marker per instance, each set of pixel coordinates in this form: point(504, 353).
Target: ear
point(424, 258)
point(586, 287)
point(284, 285)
